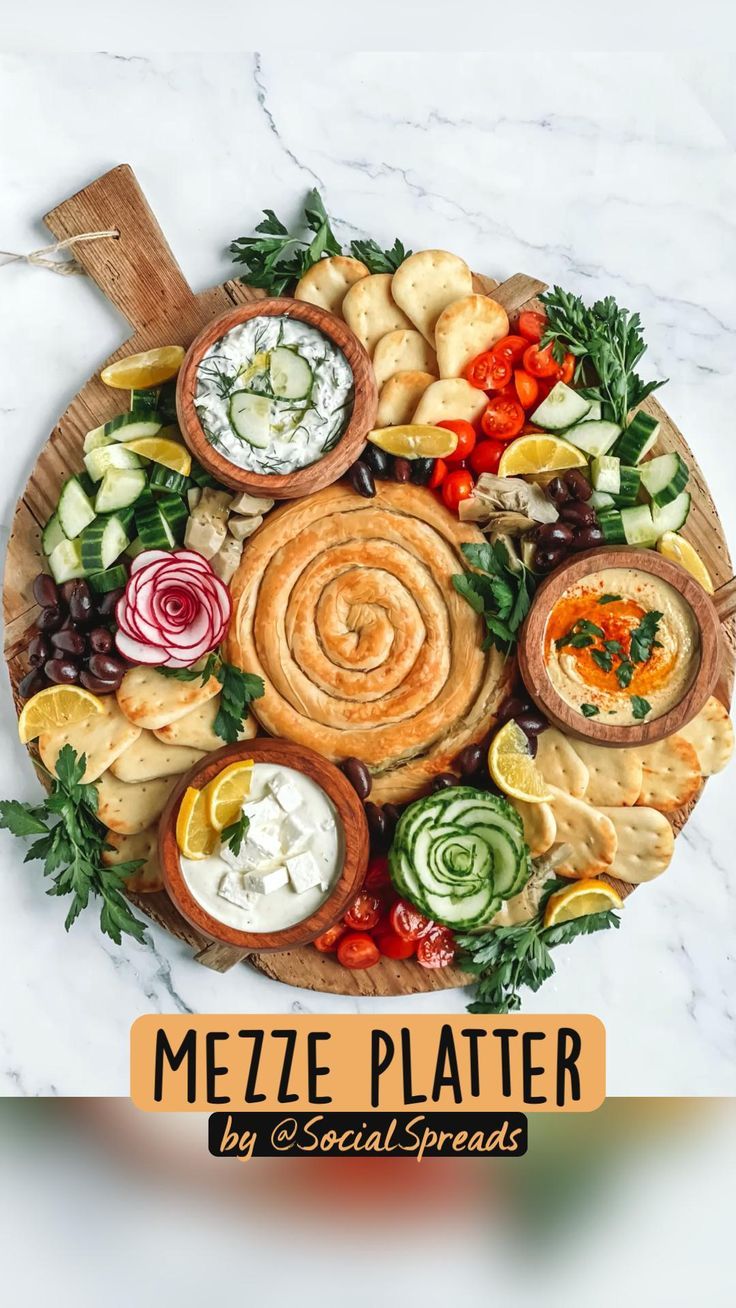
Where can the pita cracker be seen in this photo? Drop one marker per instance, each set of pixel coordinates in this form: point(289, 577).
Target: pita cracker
point(671, 775)
point(711, 736)
point(370, 310)
point(196, 730)
point(646, 843)
point(101, 738)
point(466, 328)
point(426, 283)
point(403, 351)
point(147, 879)
point(540, 828)
point(151, 700)
point(590, 835)
point(129, 809)
point(148, 758)
point(559, 763)
point(400, 396)
point(614, 775)
point(328, 281)
point(453, 398)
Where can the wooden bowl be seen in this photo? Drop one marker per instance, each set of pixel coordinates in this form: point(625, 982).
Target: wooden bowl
point(304, 481)
point(355, 830)
point(708, 616)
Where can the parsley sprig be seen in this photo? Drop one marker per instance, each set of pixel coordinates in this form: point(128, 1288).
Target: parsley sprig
point(498, 589)
point(70, 844)
point(239, 689)
point(235, 834)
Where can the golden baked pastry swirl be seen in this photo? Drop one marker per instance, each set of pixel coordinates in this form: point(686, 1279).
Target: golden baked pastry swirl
point(346, 608)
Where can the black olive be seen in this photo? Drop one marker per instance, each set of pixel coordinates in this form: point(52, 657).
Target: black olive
point(361, 480)
point(421, 471)
point(358, 775)
point(378, 460)
point(45, 591)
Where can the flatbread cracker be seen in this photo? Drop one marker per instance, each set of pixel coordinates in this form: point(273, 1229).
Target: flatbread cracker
point(370, 310)
point(148, 758)
point(328, 281)
point(711, 736)
point(426, 282)
point(196, 729)
point(540, 828)
point(452, 398)
point(150, 700)
point(614, 775)
point(403, 351)
point(466, 328)
point(400, 396)
point(646, 843)
point(589, 833)
point(129, 809)
point(147, 879)
point(671, 775)
point(101, 738)
point(559, 763)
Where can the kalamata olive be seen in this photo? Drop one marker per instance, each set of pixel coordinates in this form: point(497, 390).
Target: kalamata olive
point(45, 592)
point(554, 533)
point(588, 538)
point(392, 814)
point(444, 780)
point(402, 469)
point(580, 515)
point(81, 606)
point(557, 491)
point(378, 461)
point(531, 722)
point(62, 671)
point(39, 650)
point(100, 640)
point(547, 559)
point(106, 603)
point(376, 820)
point(361, 480)
point(49, 619)
point(97, 685)
point(67, 589)
point(358, 775)
point(31, 683)
point(577, 484)
point(510, 708)
point(106, 667)
point(69, 641)
point(421, 471)
point(470, 759)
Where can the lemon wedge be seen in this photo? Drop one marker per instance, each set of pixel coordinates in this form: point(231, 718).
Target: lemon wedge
point(225, 794)
point(139, 371)
point(528, 455)
point(415, 441)
point(55, 707)
point(680, 551)
point(511, 765)
point(580, 899)
point(172, 454)
point(195, 836)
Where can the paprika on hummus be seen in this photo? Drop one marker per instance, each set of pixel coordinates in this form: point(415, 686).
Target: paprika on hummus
point(622, 645)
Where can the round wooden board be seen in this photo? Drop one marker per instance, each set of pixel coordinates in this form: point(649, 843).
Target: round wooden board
point(139, 274)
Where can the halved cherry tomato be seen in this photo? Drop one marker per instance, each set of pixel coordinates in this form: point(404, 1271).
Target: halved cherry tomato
point(503, 419)
point(437, 948)
point(511, 348)
point(488, 371)
point(377, 877)
point(545, 384)
point(364, 912)
point(541, 363)
point(407, 921)
point(392, 945)
point(465, 433)
point(457, 486)
point(327, 942)
point(531, 325)
point(527, 388)
point(566, 370)
point(486, 456)
point(356, 950)
point(438, 474)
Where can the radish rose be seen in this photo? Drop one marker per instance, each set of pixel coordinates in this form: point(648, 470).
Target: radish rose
point(174, 610)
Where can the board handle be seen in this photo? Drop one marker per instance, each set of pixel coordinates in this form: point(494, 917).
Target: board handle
point(219, 957)
point(725, 600)
point(135, 270)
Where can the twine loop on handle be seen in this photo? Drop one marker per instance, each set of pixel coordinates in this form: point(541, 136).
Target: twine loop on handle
point(65, 267)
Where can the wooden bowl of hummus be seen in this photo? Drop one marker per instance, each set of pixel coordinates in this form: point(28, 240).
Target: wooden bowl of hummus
point(621, 647)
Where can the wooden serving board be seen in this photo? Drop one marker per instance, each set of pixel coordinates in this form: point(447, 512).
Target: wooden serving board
point(137, 271)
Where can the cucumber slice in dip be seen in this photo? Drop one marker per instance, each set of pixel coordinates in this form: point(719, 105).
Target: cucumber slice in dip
point(250, 416)
point(290, 374)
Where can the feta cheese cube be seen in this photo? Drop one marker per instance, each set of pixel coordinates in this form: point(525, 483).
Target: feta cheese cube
point(261, 847)
point(262, 812)
point(233, 889)
point(304, 873)
point(295, 832)
point(264, 883)
point(286, 794)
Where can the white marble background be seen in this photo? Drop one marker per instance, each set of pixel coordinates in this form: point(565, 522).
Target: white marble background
point(606, 173)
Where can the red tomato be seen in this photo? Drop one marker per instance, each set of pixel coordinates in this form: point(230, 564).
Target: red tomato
point(407, 921)
point(486, 456)
point(465, 433)
point(527, 388)
point(327, 942)
point(503, 419)
point(364, 912)
point(540, 363)
point(545, 386)
point(392, 945)
point(357, 950)
point(439, 472)
point(532, 325)
point(488, 371)
point(457, 486)
point(437, 948)
point(566, 370)
point(377, 877)
point(511, 348)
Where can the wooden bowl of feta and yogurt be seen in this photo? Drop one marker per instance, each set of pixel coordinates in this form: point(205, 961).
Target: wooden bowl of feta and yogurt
point(301, 863)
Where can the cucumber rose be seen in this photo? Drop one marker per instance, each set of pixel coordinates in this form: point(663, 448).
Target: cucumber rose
point(174, 610)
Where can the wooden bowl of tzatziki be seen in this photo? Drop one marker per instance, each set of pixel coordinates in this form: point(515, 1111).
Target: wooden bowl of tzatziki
point(276, 398)
point(300, 864)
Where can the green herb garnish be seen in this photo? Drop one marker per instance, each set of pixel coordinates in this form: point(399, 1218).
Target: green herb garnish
point(643, 637)
point(589, 710)
point(239, 689)
point(624, 673)
point(377, 260)
point(235, 834)
point(603, 659)
point(499, 590)
point(608, 599)
point(640, 707)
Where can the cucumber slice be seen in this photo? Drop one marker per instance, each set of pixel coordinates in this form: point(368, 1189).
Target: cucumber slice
point(96, 438)
point(167, 401)
point(290, 375)
point(562, 408)
point(638, 525)
point(601, 500)
point(65, 561)
point(612, 527)
point(110, 579)
point(595, 412)
point(637, 439)
point(202, 478)
point(175, 513)
point(250, 416)
point(606, 473)
point(119, 488)
point(97, 462)
point(135, 548)
point(74, 510)
point(672, 516)
point(103, 542)
point(665, 477)
point(129, 426)
point(594, 438)
point(163, 479)
point(153, 529)
point(629, 487)
point(52, 535)
point(145, 403)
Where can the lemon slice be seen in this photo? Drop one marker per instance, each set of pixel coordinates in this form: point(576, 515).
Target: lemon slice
point(681, 551)
point(225, 794)
point(194, 835)
point(512, 767)
point(580, 899)
point(532, 454)
point(55, 707)
point(139, 371)
point(169, 453)
point(415, 441)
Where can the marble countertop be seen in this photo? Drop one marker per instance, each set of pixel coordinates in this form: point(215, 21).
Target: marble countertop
point(615, 175)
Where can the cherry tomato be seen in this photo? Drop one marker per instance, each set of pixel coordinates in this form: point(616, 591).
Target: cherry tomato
point(566, 370)
point(488, 371)
point(545, 386)
point(508, 393)
point(503, 419)
point(457, 486)
point(531, 325)
point(527, 388)
point(377, 877)
point(541, 363)
point(327, 942)
point(357, 950)
point(486, 456)
point(437, 948)
point(407, 921)
point(392, 945)
point(511, 348)
point(364, 912)
point(465, 433)
point(439, 472)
